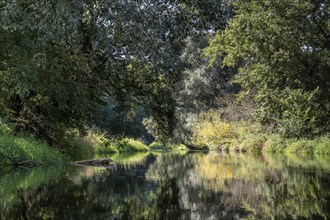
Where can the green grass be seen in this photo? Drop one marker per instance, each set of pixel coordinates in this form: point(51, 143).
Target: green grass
point(6, 127)
point(124, 145)
point(252, 143)
point(323, 145)
point(303, 146)
point(22, 147)
point(168, 147)
point(130, 145)
point(97, 144)
point(319, 145)
point(247, 136)
point(80, 147)
point(275, 143)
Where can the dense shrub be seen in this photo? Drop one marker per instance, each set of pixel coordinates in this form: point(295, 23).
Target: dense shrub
point(300, 115)
point(211, 131)
point(167, 146)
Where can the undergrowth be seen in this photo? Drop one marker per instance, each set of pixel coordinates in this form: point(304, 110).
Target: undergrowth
point(214, 133)
point(21, 147)
point(167, 146)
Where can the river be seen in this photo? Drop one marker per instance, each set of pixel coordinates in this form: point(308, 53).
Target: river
point(172, 186)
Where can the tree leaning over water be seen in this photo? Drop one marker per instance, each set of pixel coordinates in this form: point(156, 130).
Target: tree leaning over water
point(60, 59)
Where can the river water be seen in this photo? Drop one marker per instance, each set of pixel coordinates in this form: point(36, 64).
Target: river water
point(172, 186)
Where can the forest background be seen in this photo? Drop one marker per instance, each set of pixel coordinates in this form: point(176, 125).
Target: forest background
point(79, 77)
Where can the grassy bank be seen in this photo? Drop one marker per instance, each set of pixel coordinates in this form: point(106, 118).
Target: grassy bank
point(167, 147)
point(317, 145)
point(96, 143)
point(213, 133)
point(16, 148)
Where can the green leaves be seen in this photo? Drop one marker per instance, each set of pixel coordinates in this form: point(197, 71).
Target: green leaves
point(280, 49)
point(300, 113)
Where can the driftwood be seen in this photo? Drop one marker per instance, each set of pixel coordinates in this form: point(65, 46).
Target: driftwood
point(97, 162)
point(26, 163)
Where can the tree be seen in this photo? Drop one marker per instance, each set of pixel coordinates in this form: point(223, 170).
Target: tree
point(282, 49)
point(61, 59)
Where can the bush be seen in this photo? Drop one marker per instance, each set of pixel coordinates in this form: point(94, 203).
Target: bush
point(253, 142)
point(84, 146)
point(323, 145)
point(5, 127)
point(128, 144)
point(160, 146)
point(320, 145)
point(300, 114)
point(301, 146)
point(211, 131)
point(275, 143)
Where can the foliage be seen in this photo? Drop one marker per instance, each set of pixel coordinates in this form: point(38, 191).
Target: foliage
point(85, 146)
point(17, 148)
point(6, 127)
point(59, 59)
point(282, 52)
point(21, 147)
point(214, 133)
point(323, 145)
point(211, 131)
point(167, 146)
point(316, 145)
point(300, 113)
point(117, 120)
point(47, 83)
point(94, 143)
point(128, 144)
point(301, 146)
point(275, 143)
point(252, 142)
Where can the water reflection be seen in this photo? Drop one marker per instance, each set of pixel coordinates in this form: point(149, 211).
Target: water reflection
point(172, 186)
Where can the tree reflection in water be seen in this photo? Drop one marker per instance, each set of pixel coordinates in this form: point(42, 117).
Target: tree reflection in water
point(170, 186)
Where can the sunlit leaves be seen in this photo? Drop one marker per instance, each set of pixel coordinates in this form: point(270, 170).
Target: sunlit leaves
point(278, 45)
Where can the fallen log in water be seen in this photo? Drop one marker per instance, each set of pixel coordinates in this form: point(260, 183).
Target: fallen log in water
point(96, 162)
point(25, 163)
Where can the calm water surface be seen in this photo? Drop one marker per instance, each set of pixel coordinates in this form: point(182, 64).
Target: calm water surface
point(172, 186)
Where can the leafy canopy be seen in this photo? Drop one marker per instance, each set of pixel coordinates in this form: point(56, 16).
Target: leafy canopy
point(282, 49)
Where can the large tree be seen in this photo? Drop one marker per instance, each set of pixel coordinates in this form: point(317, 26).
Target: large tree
point(59, 59)
point(282, 49)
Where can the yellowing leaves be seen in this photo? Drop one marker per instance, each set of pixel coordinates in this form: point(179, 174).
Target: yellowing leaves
point(211, 130)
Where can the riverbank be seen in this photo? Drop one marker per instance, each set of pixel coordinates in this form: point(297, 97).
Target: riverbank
point(219, 135)
point(19, 148)
point(23, 149)
point(277, 144)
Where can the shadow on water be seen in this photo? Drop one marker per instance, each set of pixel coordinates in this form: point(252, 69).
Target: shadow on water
point(172, 186)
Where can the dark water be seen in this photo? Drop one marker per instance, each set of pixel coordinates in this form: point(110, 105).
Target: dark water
point(172, 186)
